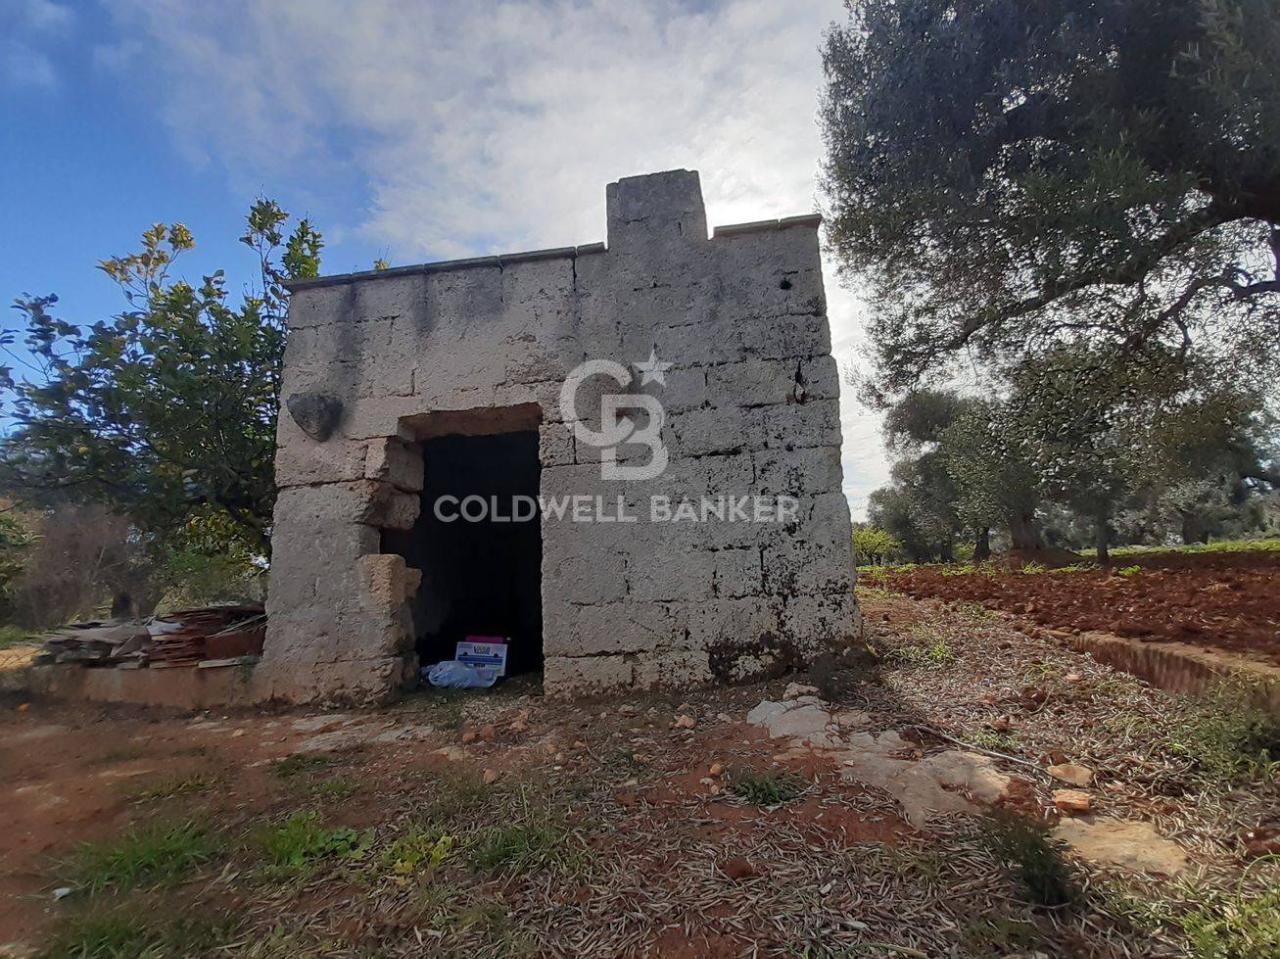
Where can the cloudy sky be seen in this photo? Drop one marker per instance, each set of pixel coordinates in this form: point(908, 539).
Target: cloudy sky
point(406, 129)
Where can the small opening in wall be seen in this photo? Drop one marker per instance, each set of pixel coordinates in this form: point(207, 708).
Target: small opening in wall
point(478, 542)
point(785, 284)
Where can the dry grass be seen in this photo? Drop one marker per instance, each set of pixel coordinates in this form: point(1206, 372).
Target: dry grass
point(602, 838)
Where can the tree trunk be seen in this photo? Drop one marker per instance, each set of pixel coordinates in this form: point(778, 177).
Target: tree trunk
point(982, 548)
point(1100, 538)
point(1024, 534)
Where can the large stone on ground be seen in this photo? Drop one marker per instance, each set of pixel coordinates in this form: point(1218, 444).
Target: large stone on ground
point(1134, 846)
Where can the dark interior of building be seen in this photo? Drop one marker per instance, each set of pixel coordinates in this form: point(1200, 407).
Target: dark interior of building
point(479, 578)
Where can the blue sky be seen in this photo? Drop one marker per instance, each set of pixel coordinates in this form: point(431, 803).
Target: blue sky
point(405, 129)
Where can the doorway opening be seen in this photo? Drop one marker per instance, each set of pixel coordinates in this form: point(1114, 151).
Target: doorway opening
point(478, 542)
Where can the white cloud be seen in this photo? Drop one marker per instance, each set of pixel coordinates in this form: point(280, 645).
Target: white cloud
point(46, 16)
point(23, 66)
point(494, 127)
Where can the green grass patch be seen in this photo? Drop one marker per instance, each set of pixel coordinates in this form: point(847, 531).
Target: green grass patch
point(337, 787)
point(767, 789)
point(300, 764)
point(1230, 737)
point(521, 847)
point(174, 786)
point(1235, 927)
point(132, 934)
point(11, 636)
point(933, 655)
point(146, 856)
point(1269, 544)
point(303, 841)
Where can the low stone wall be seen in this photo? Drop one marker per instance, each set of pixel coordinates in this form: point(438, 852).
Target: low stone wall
point(186, 688)
point(1177, 667)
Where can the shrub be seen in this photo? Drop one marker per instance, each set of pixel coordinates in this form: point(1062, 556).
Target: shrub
point(1034, 860)
point(767, 789)
point(302, 841)
point(874, 545)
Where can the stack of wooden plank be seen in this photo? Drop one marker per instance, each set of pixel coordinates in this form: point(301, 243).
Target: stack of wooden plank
point(183, 638)
point(97, 643)
point(188, 637)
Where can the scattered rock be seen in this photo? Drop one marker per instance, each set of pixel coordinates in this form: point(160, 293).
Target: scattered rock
point(717, 769)
point(1073, 774)
point(452, 753)
point(724, 717)
point(1073, 678)
point(1072, 801)
point(469, 736)
point(796, 690)
point(626, 709)
point(490, 777)
point(684, 722)
point(805, 721)
point(1129, 845)
point(489, 732)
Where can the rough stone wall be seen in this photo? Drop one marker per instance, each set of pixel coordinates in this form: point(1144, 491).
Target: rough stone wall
point(751, 407)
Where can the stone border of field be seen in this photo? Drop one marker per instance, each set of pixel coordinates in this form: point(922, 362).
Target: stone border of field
point(1175, 667)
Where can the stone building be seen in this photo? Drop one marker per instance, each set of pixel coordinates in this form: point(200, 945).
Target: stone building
point(684, 487)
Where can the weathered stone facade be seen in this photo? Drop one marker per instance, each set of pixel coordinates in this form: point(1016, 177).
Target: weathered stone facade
point(376, 363)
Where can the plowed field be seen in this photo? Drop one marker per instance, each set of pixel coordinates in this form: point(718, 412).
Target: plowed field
point(1226, 601)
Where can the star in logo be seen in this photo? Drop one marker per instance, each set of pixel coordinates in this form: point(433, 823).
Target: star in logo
point(653, 369)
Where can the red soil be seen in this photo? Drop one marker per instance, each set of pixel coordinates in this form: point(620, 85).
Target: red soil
point(1222, 601)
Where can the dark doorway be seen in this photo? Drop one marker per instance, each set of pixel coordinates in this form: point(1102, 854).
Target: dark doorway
point(478, 542)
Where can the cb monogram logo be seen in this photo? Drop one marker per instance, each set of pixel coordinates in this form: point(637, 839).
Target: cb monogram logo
point(616, 429)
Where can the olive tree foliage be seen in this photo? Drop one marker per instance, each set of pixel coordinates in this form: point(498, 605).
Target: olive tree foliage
point(995, 484)
point(166, 412)
point(1096, 437)
point(1008, 176)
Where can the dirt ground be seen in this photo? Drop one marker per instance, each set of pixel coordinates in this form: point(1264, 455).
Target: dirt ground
point(502, 824)
point(1226, 601)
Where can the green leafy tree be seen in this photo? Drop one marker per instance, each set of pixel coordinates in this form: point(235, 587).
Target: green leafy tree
point(874, 545)
point(167, 411)
point(1005, 176)
point(995, 485)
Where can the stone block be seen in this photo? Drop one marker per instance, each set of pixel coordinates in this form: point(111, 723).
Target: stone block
point(706, 431)
point(321, 306)
point(675, 669)
point(798, 472)
point(794, 426)
point(754, 382)
point(565, 676)
point(394, 461)
point(626, 627)
point(386, 583)
point(670, 575)
point(555, 444)
point(822, 620)
point(738, 572)
point(590, 576)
